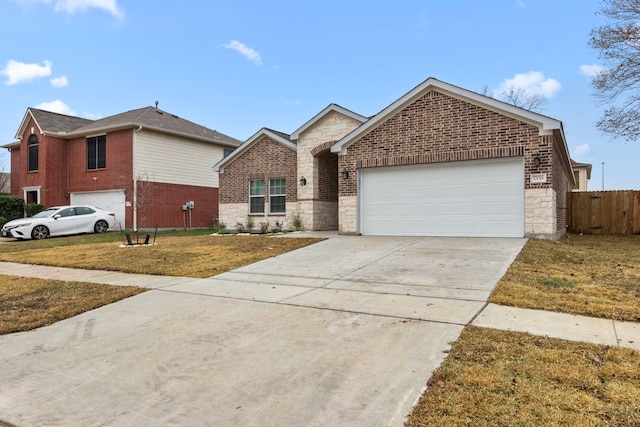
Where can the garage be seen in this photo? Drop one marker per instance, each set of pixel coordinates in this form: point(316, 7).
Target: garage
point(112, 200)
point(483, 198)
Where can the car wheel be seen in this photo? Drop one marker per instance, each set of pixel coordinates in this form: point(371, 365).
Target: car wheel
point(101, 226)
point(40, 232)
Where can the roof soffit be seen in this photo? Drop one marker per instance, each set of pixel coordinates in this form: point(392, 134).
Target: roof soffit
point(23, 125)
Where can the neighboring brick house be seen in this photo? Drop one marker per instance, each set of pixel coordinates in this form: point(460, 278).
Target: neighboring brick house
point(144, 165)
point(439, 161)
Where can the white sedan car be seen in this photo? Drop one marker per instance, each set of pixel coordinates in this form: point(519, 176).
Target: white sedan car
point(60, 221)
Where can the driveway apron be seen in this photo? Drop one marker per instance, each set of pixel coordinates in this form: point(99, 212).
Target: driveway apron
point(343, 332)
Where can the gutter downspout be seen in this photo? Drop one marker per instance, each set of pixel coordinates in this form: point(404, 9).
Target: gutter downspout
point(134, 202)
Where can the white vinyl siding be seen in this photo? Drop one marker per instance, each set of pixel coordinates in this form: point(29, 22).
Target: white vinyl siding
point(164, 158)
point(472, 199)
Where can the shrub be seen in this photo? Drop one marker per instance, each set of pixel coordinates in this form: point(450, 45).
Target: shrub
point(296, 221)
point(11, 207)
point(33, 208)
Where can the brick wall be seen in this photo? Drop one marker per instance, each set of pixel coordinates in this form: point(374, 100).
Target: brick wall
point(119, 167)
point(15, 172)
point(265, 159)
point(161, 205)
point(48, 163)
point(438, 128)
point(328, 177)
point(562, 185)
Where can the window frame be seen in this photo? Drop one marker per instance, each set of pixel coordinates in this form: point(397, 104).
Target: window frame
point(96, 152)
point(256, 197)
point(33, 148)
point(281, 195)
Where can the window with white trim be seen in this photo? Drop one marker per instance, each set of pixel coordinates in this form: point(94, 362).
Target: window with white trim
point(277, 196)
point(256, 196)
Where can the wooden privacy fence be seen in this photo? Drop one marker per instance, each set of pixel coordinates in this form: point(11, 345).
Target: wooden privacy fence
point(604, 212)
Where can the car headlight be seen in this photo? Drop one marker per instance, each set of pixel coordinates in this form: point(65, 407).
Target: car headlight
point(22, 225)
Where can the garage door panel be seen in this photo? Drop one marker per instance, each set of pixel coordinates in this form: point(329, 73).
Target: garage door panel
point(475, 198)
point(113, 201)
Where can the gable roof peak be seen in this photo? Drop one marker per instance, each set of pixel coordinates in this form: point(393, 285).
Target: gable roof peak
point(544, 123)
point(50, 122)
point(327, 110)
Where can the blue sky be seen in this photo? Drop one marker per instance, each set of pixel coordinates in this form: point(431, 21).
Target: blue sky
point(239, 66)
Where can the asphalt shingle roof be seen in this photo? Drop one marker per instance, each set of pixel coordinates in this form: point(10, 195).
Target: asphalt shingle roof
point(56, 122)
point(147, 116)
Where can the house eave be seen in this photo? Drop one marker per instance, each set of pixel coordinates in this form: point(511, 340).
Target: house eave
point(23, 124)
point(137, 126)
point(9, 146)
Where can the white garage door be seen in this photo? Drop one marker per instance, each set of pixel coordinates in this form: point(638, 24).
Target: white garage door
point(473, 198)
point(108, 200)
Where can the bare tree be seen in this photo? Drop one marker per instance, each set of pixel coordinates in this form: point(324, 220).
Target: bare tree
point(5, 177)
point(523, 99)
point(618, 43)
point(519, 97)
point(144, 189)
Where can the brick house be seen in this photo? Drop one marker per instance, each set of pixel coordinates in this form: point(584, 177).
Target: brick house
point(439, 161)
point(143, 164)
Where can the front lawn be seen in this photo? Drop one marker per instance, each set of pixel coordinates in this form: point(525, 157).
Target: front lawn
point(596, 276)
point(27, 303)
point(500, 378)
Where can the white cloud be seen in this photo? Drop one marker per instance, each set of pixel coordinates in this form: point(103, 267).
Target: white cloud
point(61, 81)
point(581, 150)
point(246, 51)
point(592, 70)
point(72, 6)
point(533, 83)
point(18, 72)
point(56, 106)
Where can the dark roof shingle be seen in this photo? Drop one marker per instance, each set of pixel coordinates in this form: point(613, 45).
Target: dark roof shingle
point(147, 116)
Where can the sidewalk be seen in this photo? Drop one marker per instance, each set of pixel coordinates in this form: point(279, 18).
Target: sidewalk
point(537, 322)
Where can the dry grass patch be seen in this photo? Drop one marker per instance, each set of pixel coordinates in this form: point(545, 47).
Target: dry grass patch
point(191, 256)
point(589, 275)
point(27, 303)
point(499, 378)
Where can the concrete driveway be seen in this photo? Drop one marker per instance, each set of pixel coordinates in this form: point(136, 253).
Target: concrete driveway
point(343, 332)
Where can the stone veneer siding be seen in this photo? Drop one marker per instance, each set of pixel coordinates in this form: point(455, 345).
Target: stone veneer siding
point(318, 200)
point(438, 128)
point(265, 159)
point(234, 213)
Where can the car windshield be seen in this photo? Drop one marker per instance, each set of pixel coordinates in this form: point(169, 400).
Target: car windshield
point(45, 213)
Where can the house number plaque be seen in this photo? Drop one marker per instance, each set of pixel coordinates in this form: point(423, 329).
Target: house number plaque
point(538, 178)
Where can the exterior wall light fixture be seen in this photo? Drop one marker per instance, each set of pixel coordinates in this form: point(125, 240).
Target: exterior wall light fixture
point(303, 181)
point(345, 174)
point(537, 160)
